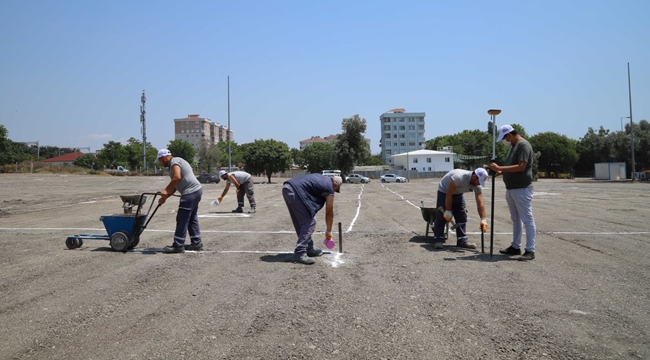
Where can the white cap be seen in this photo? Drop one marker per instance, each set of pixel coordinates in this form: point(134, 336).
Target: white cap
point(503, 131)
point(163, 152)
point(481, 174)
point(337, 180)
point(222, 173)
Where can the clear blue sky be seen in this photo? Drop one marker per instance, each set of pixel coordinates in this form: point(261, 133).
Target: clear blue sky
point(72, 71)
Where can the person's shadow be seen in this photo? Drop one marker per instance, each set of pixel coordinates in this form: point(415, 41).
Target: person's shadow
point(278, 258)
point(472, 254)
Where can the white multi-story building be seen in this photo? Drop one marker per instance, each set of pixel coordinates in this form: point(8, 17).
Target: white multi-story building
point(194, 129)
point(401, 132)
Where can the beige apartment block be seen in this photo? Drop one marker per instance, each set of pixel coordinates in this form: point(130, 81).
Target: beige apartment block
point(195, 129)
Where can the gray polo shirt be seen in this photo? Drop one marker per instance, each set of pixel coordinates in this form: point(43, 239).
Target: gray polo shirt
point(241, 176)
point(188, 183)
point(462, 179)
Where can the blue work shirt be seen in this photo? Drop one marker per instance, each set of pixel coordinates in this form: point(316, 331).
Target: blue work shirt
point(313, 190)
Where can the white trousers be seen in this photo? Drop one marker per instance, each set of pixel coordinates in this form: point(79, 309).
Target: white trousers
point(520, 203)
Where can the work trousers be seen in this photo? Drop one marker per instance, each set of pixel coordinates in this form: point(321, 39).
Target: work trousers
point(459, 211)
point(303, 222)
point(520, 203)
point(246, 189)
point(187, 219)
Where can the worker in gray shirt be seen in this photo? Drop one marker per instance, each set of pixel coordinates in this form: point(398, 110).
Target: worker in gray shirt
point(450, 198)
point(243, 181)
point(183, 181)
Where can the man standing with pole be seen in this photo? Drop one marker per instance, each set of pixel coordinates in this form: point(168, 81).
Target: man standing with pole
point(518, 178)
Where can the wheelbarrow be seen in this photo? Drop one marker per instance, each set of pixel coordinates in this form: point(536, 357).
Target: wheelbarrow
point(429, 215)
point(122, 230)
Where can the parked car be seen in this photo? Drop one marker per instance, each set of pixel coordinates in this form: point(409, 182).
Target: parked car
point(207, 178)
point(356, 178)
point(392, 178)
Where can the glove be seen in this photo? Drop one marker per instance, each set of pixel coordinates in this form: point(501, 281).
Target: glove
point(447, 215)
point(328, 235)
point(483, 225)
point(220, 199)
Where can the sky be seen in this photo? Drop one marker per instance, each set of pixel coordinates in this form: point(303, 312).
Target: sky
point(72, 71)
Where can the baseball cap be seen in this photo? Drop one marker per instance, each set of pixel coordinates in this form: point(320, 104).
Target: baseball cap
point(503, 131)
point(482, 174)
point(337, 180)
point(222, 173)
point(163, 152)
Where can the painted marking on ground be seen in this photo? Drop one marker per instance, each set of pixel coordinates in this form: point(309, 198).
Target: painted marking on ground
point(223, 215)
point(358, 210)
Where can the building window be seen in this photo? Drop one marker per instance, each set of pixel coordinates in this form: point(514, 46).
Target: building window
point(389, 152)
point(428, 160)
point(401, 144)
point(402, 127)
point(429, 168)
point(415, 161)
point(411, 127)
point(447, 159)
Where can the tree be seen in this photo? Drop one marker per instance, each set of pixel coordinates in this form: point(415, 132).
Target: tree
point(557, 152)
point(267, 157)
point(133, 150)
point(10, 151)
point(351, 147)
point(373, 160)
point(113, 154)
point(182, 149)
point(208, 156)
point(318, 157)
point(88, 161)
point(236, 153)
point(297, 157)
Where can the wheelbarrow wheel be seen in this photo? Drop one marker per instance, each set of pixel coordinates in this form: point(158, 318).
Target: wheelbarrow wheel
point(120, 241)
point(70, 243)
point(78, 243)
point(134, 242)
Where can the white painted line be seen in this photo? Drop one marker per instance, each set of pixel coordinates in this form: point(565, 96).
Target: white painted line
point(224, 215)
point(358, 210)
point(88, 202)
point(336, 262)
point(407, 201)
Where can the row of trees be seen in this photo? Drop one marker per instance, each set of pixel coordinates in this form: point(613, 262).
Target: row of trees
point(555, 153)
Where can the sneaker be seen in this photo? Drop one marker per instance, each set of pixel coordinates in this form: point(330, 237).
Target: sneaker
point(528, 255)
point(510, 251)
point(195, 247)
point(437, 245)
point(466, 245)
point(304, 259)
point(238, 210)
point(314, 253)
point(251, 211)
point(173, 249)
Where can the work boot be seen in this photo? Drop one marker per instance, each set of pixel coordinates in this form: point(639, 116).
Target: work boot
point(195, 247)
point(238, 210)
point(252, 210)
point(510, 251)
point(314, 253)
point(528, 255)
point(173, 249)
point(466, 245)
point(304, 259)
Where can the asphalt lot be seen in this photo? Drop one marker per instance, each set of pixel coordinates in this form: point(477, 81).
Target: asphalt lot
point(390, 295)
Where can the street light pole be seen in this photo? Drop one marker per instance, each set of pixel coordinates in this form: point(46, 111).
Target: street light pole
point(623, 117)
point(493, 113)
point(629, 89)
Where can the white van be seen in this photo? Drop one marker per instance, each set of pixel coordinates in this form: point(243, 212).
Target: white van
point(331, 173)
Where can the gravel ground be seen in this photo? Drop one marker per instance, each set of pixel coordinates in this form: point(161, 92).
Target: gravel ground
point(390, 295)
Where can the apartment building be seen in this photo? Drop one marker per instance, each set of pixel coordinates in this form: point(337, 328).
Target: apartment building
point(401, 132)
point(195, 129)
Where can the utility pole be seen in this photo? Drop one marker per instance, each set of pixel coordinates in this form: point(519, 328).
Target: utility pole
point(629, 89)
point(143, 124)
